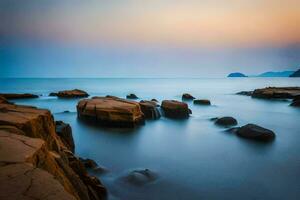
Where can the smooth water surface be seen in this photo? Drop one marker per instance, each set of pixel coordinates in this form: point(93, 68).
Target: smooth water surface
point(193, 158)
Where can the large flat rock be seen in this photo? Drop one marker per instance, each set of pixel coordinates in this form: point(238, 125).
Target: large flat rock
point(110, 111)
point(175, 109)
point(76, 93)
point(273, 92)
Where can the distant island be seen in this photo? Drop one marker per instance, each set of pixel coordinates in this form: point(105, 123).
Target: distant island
point(236, 74)
point(269, 74)
point(296, 73)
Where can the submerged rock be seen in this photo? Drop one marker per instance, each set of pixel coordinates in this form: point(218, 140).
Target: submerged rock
point(76, 93)
point(246, 93)
point(187, 96)
point(34, 161)
point(255, 132)
point(140, 177)
point(64, 131)
point(202, 102)
point(110, 111)
point(149, 108)
point(175, 109)
point(226, 121)
point(131, 96)
point(18, 96)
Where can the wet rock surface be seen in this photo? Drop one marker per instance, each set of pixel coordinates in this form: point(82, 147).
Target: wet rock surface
point(64, 131)
point(131, 96)
point(32, 154)
point(149, 108)
point(255, 132)
point(225, 121)
point(139, 177)
point(175, 109)
point(18, 96)
point(110, 111)
point(187, 96)
point(76, 93)
point(202, 102)
point(296, 101)
point(274, 93)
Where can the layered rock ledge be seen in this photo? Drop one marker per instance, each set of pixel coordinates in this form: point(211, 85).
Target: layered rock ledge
point(18, 96)
point(273, 93)
point(110, 111)
point(34, 161)
point(76, 93)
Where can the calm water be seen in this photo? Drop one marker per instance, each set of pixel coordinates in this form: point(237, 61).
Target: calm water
point(194, 158)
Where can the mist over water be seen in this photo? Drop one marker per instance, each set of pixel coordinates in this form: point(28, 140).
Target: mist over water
point(194, 158)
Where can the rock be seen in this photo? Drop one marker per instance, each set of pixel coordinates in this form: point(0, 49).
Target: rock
point(175, 109)
point(237, 74)
point(89, 163)
point(296, 101)
point(246, 93)
point(154, 100)
point(64, 131)
point(255, 132)
point(29, 142)
point(149, 109)
point(3, 100)
point(131, 96)
point(202, 102)
point(110, 111)
point(18, 96)
point(296, 73)
point(70, 94)
point(226, 121)
point(140, 177)
point(276, 92)
point(187, 96)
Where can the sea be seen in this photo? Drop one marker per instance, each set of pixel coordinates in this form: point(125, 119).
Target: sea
point(194, 159)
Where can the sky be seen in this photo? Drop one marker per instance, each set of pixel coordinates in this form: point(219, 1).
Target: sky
point(147, 38)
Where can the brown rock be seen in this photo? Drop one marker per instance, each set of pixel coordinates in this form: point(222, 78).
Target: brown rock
point(110, 111)
point(175, 109)
point(202, 102)
point(226, 121)
point(3, 100)
point(276, 92)
point(18, 96)
point(89, 163)
point(149, 108)
point(187, 96)
point(255, 132)
point(64, 131)
point(70, 94)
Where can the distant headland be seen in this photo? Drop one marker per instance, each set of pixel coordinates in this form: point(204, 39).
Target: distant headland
point(268, 74)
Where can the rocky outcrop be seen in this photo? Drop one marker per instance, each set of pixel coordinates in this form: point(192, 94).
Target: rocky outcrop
point(65, 133)
point(149, 108)
point(225, 121)
point(139, 177)
point(187, 96)
point(3, 100)
point(246, 93)
point(35, 163)
point(296, 73)
point(131, 96)
point(202, 102)
point(255, 132)
point(110, 111)
point(70, 94)
point(274, 93)
point(18, 96)
point(175, 109)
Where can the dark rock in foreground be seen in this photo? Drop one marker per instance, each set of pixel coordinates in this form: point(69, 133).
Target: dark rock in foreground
point(70, 94)
point(202, 102)
point(236, 74)
point(140, 177)
point(296, 73)
point(3, 100)
point(187, 96)
point(226, 121)
point(18, 96)
point(175, 109)
point(131, 96)
point(149, 108)
point(111, 112)
point(64, 131)
point(255, 132)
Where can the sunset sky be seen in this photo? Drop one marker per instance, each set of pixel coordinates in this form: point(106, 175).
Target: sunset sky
point(147, 38)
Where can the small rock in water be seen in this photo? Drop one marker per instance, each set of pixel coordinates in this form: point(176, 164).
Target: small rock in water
point(76, 93)
point(247, 93)
point(226, 121)
point(202, 102)
point(131, 96)
point(155, 100)
point(175, 109)
point(187, 96)
point(140, 177)
point(89, 163)
point(255, 132)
